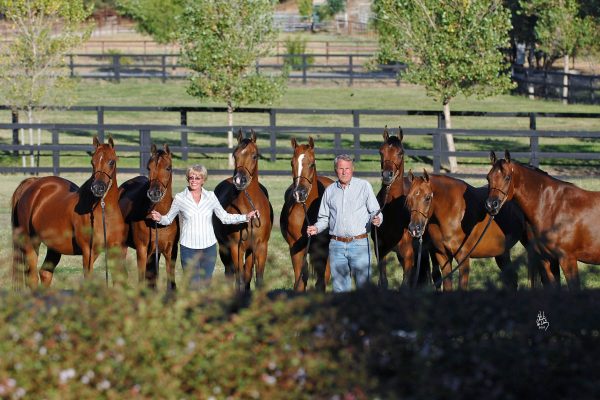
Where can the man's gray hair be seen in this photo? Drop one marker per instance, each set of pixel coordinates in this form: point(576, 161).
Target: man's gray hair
point(345, 157)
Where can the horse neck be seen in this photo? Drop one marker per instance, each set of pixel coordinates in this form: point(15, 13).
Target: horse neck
point(395, 190)
point(527, 191)
point(441, 189)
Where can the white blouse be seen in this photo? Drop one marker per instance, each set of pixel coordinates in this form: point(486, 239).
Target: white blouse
point(197, 230)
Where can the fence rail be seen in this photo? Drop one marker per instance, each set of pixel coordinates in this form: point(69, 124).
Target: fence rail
point(142, 136)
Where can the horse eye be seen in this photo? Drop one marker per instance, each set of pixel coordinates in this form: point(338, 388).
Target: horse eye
point(169, 168)
point(507, 178)
point(428, 197)
point(111, 163)
point(312, 165)
point(255, 157)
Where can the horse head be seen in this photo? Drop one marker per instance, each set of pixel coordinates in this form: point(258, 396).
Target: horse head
point(304, 169)
point(392, 157)
point(160, 173)
point(419, 201)
point(246, 160)
point(501, 183)
point(104, 166)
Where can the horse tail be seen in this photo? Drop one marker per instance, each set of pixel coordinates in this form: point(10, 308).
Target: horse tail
point(18, 259)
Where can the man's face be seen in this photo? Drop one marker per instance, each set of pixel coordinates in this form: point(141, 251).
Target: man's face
point(344, 170)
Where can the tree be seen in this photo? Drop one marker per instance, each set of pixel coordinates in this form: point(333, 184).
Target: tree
point(451, 47)
point(33, 71)
point(221, 41)
point(157, 18)
point(559, 31)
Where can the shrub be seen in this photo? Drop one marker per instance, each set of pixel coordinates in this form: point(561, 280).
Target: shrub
point(295, 47)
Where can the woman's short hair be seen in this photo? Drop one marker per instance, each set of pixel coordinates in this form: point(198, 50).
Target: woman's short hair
point(345, 157)
point(199, 169)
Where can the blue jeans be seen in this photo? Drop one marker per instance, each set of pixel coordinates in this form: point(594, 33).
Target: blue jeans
point(347, 260)
point(199, 264)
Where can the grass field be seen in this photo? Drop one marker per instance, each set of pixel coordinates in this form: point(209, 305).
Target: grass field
point(278, 270)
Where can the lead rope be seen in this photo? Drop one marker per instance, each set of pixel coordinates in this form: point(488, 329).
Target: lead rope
point(251, 223)
point(419, 260)
point(305, 257)
point(156, 245)
point(102, 204)
point(439, 281)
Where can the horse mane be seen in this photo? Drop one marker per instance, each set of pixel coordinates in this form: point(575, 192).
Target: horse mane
point(394, 140)
point(540, 171)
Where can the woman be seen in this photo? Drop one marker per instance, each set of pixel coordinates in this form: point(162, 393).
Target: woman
point(195, 207)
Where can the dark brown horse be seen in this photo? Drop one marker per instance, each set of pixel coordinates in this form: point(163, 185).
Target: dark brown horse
point(243, 247)
point(68, 219)
point(392, 234)
point(300, 209)
point(453, 213)
point(563, 217)
point(137, 197)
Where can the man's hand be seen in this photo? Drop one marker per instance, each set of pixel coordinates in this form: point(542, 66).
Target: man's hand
point(376, 220)
point(311, 230)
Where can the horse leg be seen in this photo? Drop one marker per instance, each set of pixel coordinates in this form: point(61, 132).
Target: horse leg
point(463, 277)
point(141, 255)
point(508, 274)
point(18, 259)
point(48, 266)
point(300, 275)
point(571, 271)
point(260, 256)
point(443, 260)
point(436, 273)
point(170, 260)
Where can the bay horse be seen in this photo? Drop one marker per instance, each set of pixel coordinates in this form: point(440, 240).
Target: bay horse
point(302, 200)
point(68, 219)
point(564, 218)
point(137, 197)
point(392, 234)
point(453, 213)
point(243, 247)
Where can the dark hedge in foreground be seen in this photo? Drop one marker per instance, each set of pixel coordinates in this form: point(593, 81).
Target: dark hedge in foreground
point(113, 343)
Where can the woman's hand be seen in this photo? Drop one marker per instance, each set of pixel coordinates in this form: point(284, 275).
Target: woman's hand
point(252, 214)
point(155, 215)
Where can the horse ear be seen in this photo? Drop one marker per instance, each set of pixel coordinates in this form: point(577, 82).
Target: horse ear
point(493, 157)
point(506, 155)
point(110, 141)
point(240, 135)
point(311, 142)
point(153, 149)
point(386, 134)
point(400, 133)
point(166, 148)
point(425, 175)
point(411, 177)
point(96, 141)
point(253, 135)
point(294, 142)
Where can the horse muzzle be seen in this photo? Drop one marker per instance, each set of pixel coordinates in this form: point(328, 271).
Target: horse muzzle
point(240, 181)
point(300, 194)
point(493, 205)
point(387, 177)
point(416, 229)
point(155, 194)
point(99, 188)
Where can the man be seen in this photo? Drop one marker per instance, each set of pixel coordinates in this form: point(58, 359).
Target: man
point(348, 208)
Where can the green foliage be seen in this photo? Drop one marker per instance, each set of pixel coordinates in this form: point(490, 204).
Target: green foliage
point(330, 8)
point(294, 47)
point(559, 29)
point(157, 18)
point(450, 47)
point(32, 65)
point(114, 343)
point(124, 60)
point(221, 41)
point(305, 8)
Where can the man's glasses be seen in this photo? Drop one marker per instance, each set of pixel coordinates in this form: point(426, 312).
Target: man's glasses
point(194, 178)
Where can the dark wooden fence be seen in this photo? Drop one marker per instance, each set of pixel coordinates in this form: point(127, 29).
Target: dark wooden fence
point(142, 137)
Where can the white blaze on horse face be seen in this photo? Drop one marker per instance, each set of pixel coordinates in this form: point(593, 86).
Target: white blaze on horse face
point(300, 159)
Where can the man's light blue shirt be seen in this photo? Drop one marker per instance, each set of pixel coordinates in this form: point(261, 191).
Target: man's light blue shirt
point(348, 212)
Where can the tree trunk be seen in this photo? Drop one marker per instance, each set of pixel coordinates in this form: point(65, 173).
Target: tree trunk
point(450, 139)
point(230, 132)
point(565, 91)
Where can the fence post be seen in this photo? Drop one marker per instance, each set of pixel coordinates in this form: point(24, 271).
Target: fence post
point(184, 135)
point(337, 143)
point(273, 133)
point(55, 153)
point(15, 131)
point(534, 141)
point(356, 124)
point(117, 67)
point(351, 64)
point(145, 142)
point(163, 64)
point(437, 144)
point(71, 65)
point(304, 68)
point(100, 121)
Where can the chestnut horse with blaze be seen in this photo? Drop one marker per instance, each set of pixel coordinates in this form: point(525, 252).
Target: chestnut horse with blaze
point(302, 200)
point(453, 213)
point(564, 218)
point(68, 219)
point(243, 247)
point(392, 234)
point(137, 197)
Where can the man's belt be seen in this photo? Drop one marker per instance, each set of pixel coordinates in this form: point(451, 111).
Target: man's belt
point(349, 238)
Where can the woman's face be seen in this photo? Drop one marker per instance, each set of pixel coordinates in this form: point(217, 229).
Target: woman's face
point(195, 180)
